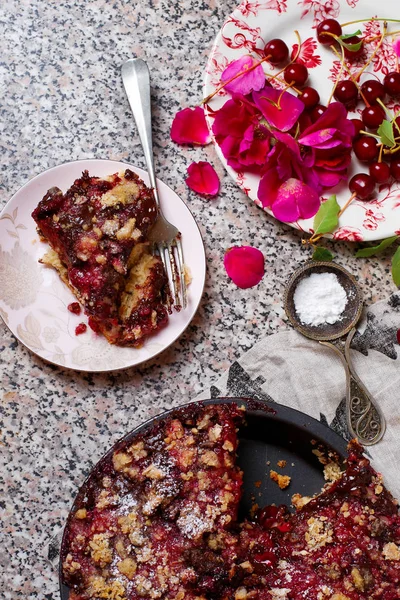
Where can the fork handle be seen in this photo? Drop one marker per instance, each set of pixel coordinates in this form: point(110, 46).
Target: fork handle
point(136, 79)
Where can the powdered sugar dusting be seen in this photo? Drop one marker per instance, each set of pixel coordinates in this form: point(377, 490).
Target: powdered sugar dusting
point(320, 299)
point(192, 523)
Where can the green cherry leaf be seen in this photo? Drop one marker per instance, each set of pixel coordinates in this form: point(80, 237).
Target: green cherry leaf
point(349, 35)
point(385, 131)
point(326, 219)
point(352, 47)
point(322, 254)
point(396, 267)
point(373, 250)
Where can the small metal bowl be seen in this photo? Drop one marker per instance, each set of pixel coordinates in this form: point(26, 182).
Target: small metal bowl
point(353, 309)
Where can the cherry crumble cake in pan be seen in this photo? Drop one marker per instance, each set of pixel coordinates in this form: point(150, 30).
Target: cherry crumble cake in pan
point(158, 519)
point(97, 231)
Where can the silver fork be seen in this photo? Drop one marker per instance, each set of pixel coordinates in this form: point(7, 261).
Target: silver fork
point(164, 236)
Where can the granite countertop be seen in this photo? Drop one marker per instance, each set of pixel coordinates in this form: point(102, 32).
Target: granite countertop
point(63, 100)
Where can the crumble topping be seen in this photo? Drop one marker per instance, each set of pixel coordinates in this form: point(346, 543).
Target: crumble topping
point(158, 520)
point(98, 232)
point(391, 551)
point(319, 534)
point(283, 481)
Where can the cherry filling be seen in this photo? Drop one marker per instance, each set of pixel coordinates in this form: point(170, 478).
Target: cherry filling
point(159, 519)
point(94, 228)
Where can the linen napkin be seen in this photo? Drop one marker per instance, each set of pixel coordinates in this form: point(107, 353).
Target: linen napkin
point(297, 372)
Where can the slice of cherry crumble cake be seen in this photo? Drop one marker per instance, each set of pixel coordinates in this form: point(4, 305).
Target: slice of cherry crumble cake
point(158, 519)
point(97, 231)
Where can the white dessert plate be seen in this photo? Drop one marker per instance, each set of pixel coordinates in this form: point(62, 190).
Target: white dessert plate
point(33, 299)
point(254, 23)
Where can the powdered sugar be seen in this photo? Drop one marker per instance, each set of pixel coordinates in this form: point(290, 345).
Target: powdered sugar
point(320, 299)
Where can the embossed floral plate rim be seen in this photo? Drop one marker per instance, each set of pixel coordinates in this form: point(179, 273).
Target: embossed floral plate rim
point(251, 25)
point(33, 300)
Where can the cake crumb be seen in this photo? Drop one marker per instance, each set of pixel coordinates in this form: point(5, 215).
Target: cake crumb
point(282, 480)
point(257, 483)
point(281, 463)
point(391, 551)
point(299, 501)
point(332, 472)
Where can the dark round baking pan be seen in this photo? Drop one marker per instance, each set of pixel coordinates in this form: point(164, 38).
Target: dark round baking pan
point(272, 433)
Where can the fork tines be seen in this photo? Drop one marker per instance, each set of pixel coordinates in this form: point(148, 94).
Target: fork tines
point(171, 254)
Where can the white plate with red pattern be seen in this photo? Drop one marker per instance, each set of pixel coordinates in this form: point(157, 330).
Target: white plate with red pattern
point(33, 299)
point(256, 22)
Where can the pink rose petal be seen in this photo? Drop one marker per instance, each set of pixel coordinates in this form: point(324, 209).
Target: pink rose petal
point(244, 265)
point(203, 179)
point(295, 200)
point(396, 46)
point(281, 109)
point(246, 82)
point(189, 127)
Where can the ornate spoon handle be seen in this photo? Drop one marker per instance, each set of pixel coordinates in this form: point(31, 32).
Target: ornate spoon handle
point(364, 420)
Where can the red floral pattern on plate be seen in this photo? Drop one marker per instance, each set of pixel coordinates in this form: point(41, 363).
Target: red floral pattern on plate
point(246, 31)
point(307, 54)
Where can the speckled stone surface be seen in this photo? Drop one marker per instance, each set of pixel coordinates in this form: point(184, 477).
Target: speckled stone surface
point(63, 100)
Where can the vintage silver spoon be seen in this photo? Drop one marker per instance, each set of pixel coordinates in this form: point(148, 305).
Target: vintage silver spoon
point(364, 419)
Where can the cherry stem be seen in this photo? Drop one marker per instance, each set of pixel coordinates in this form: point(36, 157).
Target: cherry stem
point(225, 83)
point(379, 101)
point(372, 19)
point(376, 37)
point(339, 75)
point(351, 76)
point(290, 63)
point(371, 58)
point(314, 239)
point(349, 201)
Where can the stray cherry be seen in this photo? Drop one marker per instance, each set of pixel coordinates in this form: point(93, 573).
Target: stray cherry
point(362, 185)
point(330, 27)
point(310, 97)
point(296, 74)
point(372, 116)
point(346, 92)
point(358, 127)
point(391, 83)
point(373, 90)
point(395, 169)
point(353, 41)
point(277, 51)
point(379, 171)
point(366, 148)
point(317, 112)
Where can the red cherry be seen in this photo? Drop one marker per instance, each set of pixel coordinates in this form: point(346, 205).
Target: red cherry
point(353, 54)
point(380, 172)
point(346, 92)
point(373, 116)
point(391, 83)
point(358, 126)
point(296, 73)
point(366, 148)
point(373, 90)
point(328, 26)
point(277, 51)
point(363, 185)
point(317, 112)
point(310, 97)
point(395, 169)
